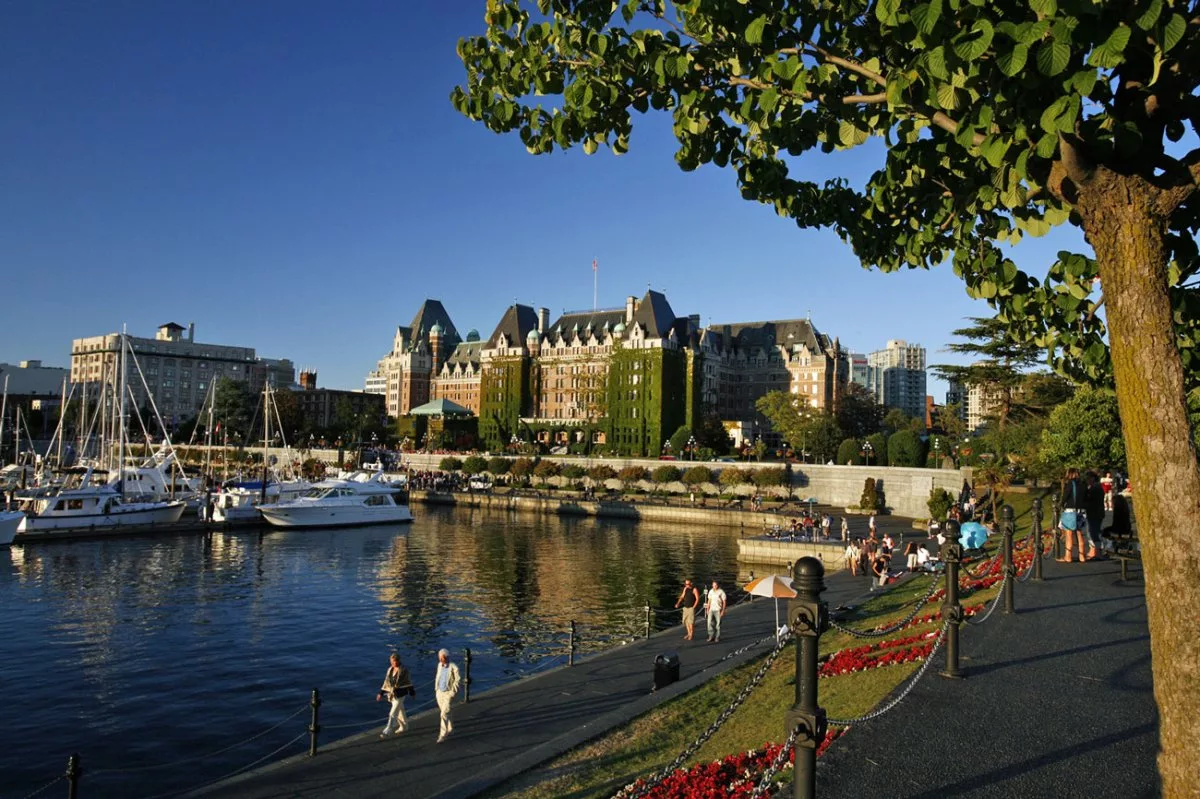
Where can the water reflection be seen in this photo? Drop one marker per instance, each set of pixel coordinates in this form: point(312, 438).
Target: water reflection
point(187, 644)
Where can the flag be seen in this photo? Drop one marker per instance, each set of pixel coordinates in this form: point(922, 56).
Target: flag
point(593, 264)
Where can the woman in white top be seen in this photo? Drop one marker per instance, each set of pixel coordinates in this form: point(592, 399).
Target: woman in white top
point(852, 556)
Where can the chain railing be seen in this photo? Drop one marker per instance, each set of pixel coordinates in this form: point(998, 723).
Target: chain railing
point(879, 711)
point(891, 628)
point(995, 603)
point(46, 787)
point(768, 775)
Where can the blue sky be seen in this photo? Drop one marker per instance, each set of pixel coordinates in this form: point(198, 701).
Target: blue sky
point(291, 176)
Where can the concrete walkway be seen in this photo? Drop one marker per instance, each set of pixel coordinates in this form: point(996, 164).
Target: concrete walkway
point(1057, 702)
point(511, 729)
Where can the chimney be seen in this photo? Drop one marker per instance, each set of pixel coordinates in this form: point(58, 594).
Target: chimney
point(694, 322)
point(191, 331)
point(543, 320)
point(630, 307)
point(308, 380)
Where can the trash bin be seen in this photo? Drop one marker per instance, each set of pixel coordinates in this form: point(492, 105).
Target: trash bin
point(666, 669)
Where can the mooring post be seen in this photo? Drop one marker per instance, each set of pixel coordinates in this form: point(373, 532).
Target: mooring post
point(467, 680)
point(74, 773)
point(314, 726)
point(1010, 570)
point(809, 617)
point(571, 646)
point(951, 609)
point(1055, 516)
point(1037, 539)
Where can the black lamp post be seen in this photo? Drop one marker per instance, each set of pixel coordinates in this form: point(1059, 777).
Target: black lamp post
point(691, 446)
point(867, 450)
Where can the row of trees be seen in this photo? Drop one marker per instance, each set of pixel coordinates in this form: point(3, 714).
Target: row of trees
point(544, 470)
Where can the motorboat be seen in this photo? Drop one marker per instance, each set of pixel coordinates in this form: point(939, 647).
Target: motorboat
point(9, 522)
point(241, 501)
point(360, 499)
point(86, 502)
point(158, 478)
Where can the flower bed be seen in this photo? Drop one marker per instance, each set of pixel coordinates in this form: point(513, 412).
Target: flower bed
point(884, 653)
point(731, 777)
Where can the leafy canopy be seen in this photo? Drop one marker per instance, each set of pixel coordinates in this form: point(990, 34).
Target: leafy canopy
point(991, 111)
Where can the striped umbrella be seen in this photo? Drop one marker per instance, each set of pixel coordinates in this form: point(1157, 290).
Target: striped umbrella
point(774, 586)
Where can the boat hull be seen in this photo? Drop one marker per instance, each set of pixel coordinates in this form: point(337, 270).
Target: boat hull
point(9, 523)
point(125, 517)
point(318, 516)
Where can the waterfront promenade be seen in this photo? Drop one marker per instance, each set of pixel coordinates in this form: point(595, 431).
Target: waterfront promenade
point(1056, 702)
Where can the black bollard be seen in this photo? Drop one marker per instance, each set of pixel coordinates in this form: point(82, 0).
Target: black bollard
point(314, 726)
point(951, 609)
point(1055, 515)
point(648, 611)
point(1037, 539)
point(1010, 570)
point(74, 772)
point(809, 617)
point(467, 680)
point(571, 646)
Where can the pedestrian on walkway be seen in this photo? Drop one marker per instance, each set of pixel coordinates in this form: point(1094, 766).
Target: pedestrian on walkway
point(1072, 520)
point(397, 685)
point(910, 552)
point(826, 523)
point(879, 568)
point(845, 529)
point(714, 610)
point(852, 556)
point(445, 685)
point(689, 598)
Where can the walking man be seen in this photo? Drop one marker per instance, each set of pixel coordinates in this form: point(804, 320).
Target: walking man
point(714, 609)
point(397, 684)
point(689, 598)
point(445, 687)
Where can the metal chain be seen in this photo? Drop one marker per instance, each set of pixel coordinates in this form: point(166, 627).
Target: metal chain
point(50, 784)
point(979, 574)
point(235, 772)
point(1029, 571)
point(874, 714)
point(995, 602)
point(894, 627)
point(768, 776)
point(134, 769)
point(746, 648)
point(636, 791)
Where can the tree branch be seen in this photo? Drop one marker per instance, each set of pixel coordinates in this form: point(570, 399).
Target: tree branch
point(865, 99)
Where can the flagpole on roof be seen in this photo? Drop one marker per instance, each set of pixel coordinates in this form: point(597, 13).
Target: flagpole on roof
point(594, 283)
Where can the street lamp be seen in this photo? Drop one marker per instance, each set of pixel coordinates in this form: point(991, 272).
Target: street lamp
point(666, 448)
point(867, 449)
point(691, 446)
point(937, 451)
point(514, 442)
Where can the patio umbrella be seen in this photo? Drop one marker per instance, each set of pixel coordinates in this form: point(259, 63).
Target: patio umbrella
point(774, 586)
point(972, 535)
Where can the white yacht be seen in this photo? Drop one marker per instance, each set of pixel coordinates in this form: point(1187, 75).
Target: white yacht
point(82, 504)
point(240, 502)
point(357, 500)
point(9, 522)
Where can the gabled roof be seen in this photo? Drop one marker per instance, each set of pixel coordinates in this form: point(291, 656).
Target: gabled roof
point(441, 407)
point(597, 319)
point(431, 313)
point(655, 315)
point(516, 323)
point(172, 325)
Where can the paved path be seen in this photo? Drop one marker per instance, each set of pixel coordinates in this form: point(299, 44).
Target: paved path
point(513, 728)
point(1057, 702)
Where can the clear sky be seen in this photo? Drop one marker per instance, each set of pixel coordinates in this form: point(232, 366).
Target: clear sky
point(291, 176)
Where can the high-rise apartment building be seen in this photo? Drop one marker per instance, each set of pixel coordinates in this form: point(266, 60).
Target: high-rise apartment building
point(178, 370)
point(898, 374)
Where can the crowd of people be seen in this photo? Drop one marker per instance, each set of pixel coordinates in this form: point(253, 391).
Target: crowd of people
point(1085, 500)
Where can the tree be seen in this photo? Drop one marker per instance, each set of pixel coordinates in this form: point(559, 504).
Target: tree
point(521, 468)
point(450, 464)
point(631, 475)
point(1085, 432)
point(473, 465)
point(601, 473)
point(769, 476)
point(805, 428)
point(573, 471)
point(905, 449)
point(697, 476)
point(546, 469)
point(666, 474)
point(858, 414)
point(732, 478)
point(679, 440)
point(999, 120)
point(497, 465)
point(949, 419)
point(289, 419)
point(940, 502)
point(232, 408)
point(711, 434)
point(870, 499)
point(849, 453)
point(878, 455)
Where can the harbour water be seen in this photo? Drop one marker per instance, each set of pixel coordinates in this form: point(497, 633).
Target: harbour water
point(148, 656)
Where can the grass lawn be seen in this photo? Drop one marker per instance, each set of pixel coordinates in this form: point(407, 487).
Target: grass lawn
point(650, 742)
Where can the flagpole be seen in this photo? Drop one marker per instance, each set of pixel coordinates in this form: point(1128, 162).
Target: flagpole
point(594, 283)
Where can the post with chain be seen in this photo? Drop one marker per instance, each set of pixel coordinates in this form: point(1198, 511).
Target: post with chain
point(74, 773)
point(648, 612)
point(1010, 571)
point(1037, 539)
point(571, 646)
point(314, 726)
point(809, 617)
point(467, 679)
point(952, 614)
point(1055, 515)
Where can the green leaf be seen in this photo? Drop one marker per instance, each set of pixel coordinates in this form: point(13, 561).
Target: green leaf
point(947, 97)
point(590, 146)
point(1173, 32)
point(849, 135)
point(886, 11)
point(1150, 15)
point(1044, 8)
point(935, 62)
point(1111, 52)
point(754, 31)
point(1051, 120)
point(975, 42)
point(994, 149)
point(1014, 60)
point(1053, 57)
point(1047, 145)
point(768, 99)
point(925, 16)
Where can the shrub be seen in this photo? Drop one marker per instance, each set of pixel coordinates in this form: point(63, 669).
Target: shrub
point(573, 471)
point(905, 449)
point(940, 502)
point(450, 464)
point(870, 497)
point(602, 472)
point(521, 467)
point(631, 474)
point(312, 469)
point(546, 469)
point(879, 455)
point(849, 452)
point(666, 474)
point(768, 476)
point(697, 475)
point(679, 440)
point(733, 477)
point(498, 465)
point(474, 465)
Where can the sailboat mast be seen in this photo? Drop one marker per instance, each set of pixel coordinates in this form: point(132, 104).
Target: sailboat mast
point(266, 436)
point(120, 432)
point(3, 411)
point(208, 443)
point(62, 416)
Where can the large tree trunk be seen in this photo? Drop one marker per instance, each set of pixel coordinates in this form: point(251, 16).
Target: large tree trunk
point(1126, 227)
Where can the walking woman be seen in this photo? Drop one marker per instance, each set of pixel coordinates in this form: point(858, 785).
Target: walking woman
point(1073, 519)
point(397, 684)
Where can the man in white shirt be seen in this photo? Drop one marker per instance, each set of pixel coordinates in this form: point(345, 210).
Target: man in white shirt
point(445, 687)
point(714, 609)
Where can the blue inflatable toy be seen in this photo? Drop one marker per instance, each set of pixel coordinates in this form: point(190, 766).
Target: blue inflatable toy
point(973, 535)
